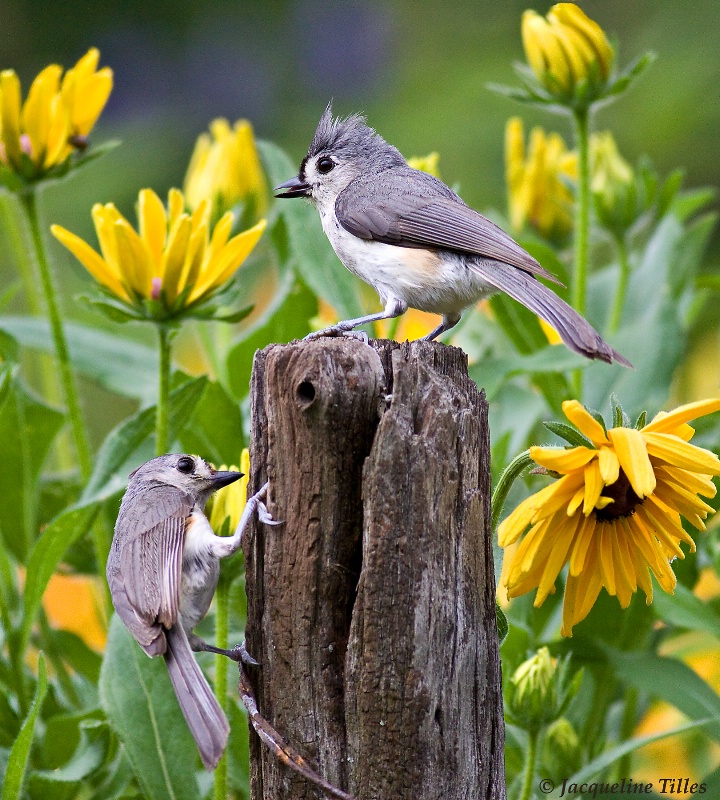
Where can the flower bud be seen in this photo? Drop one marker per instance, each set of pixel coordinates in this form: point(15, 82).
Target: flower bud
point(566, 49)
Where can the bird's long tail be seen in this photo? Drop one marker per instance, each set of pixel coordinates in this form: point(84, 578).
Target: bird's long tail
point(577, 333)
point(199, 705)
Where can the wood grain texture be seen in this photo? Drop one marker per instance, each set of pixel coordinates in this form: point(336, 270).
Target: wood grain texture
point(372, 608)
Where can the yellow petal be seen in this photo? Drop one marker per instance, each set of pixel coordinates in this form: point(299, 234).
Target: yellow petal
point(194, 258)
point(667, 523)
point(562, 460)
point(584, 422)
point(694, 482)
point(90, 101)
point(153, 225)
point(174, 256)
point(681, 500)
point(633, 456)
point(176, 206)
point(593, 487)
point(105, 217)
point(90, 259)
point(677, 453)
point(10, 115)
point(228, 261)
point(36, 114)
point(605, 551)
point(666, 422)
point(133, 258)
point(576, 501)
point(563, 534)
point(582, 543)
point(609, 465)
point(57, 148)
point(573, 16)
point(660, 526)
point(533, 28)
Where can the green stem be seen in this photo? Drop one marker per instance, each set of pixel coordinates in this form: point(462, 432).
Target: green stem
point(582, 224)
point(62, 353)
point(528, 783)
point(161, 417)
point(513, 471)
point(627, 727)
point(222, 630)
point(621, 290)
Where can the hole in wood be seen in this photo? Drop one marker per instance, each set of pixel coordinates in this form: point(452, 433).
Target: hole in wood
point(305, 393)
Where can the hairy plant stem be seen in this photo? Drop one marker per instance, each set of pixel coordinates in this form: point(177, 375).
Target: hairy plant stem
point(531, 754)
point(582, 225)
point(161, 417)
point(621, 290)
point(62, 353)
point(513, 471)
point(222, 626)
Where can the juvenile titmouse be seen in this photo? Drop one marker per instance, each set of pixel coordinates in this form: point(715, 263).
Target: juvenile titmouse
point(416, 242)
point(163, 569)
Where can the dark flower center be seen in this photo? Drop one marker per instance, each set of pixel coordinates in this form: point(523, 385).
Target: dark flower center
point(624, 496)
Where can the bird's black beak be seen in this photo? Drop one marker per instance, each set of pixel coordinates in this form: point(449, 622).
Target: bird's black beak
point(295, 188)
point(222, 478)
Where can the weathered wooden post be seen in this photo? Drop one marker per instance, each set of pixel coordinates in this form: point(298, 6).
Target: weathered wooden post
point(372, 608)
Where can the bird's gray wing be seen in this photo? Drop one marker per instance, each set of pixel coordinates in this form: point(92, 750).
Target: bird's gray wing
point(145, 578)
point(409, 208)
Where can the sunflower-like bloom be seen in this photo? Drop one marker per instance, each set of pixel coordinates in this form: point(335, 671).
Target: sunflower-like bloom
point(566, 49)
point(225, 169)
point(226, 506)
point(538, 180)
point(172, 264)
point(614, 515)
point(55, 119)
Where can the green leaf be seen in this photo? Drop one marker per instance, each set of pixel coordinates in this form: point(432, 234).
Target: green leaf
point(670, 680)
point(630, 74)
point(215, 429)
point(140, 704)
point(87, 758)
point(110, 471)
point(605, 759)
point(125, 367)
point(20, 753)
point(502, 623)
point(313, 256)
point(288, 321)
point(62, 532)
point(685, 610)
point(568, 433)
point(22, 459)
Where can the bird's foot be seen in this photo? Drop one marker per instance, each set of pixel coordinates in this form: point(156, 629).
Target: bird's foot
point(261, 509)
point(339, 329)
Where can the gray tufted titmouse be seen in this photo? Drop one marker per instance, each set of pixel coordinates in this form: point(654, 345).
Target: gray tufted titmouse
point(163, 569)
point(416, 242)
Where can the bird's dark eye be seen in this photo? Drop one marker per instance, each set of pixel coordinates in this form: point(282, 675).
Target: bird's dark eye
point(185, 465)
point(324, 165)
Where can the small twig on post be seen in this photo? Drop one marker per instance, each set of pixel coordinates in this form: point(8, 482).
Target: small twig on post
point(372, 609)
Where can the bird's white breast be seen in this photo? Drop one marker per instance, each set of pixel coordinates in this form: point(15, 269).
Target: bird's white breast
point(429, 280)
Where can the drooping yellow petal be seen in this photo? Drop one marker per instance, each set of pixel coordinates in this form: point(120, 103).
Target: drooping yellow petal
point(677, 453)
point(91, 260)
point(700, 484)
point(605, 535)
point(562, 460)
point(584, 422)
point(684, 502)
point(582, 543)
point(665, 422)
point(609, 465)
point(633, 456)
point(666, 522)
point(593, 486)
point(564, 534)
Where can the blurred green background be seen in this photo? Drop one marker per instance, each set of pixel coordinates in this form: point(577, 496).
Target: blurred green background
point(417, 69)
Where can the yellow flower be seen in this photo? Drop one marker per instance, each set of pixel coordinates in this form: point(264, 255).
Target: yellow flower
point(225, 169)
point(566, 48)
point(174, 260)
point(428, 163)
point(228, 503)
point(538, 191)
point(611, 174)
point(56, 117)
point(614, 514)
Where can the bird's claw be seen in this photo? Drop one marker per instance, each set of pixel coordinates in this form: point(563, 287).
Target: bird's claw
point(261, 509)
point(240, 654)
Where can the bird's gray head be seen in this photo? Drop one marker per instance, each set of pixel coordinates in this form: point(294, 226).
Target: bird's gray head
point(190, 474)
point(341, 150)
